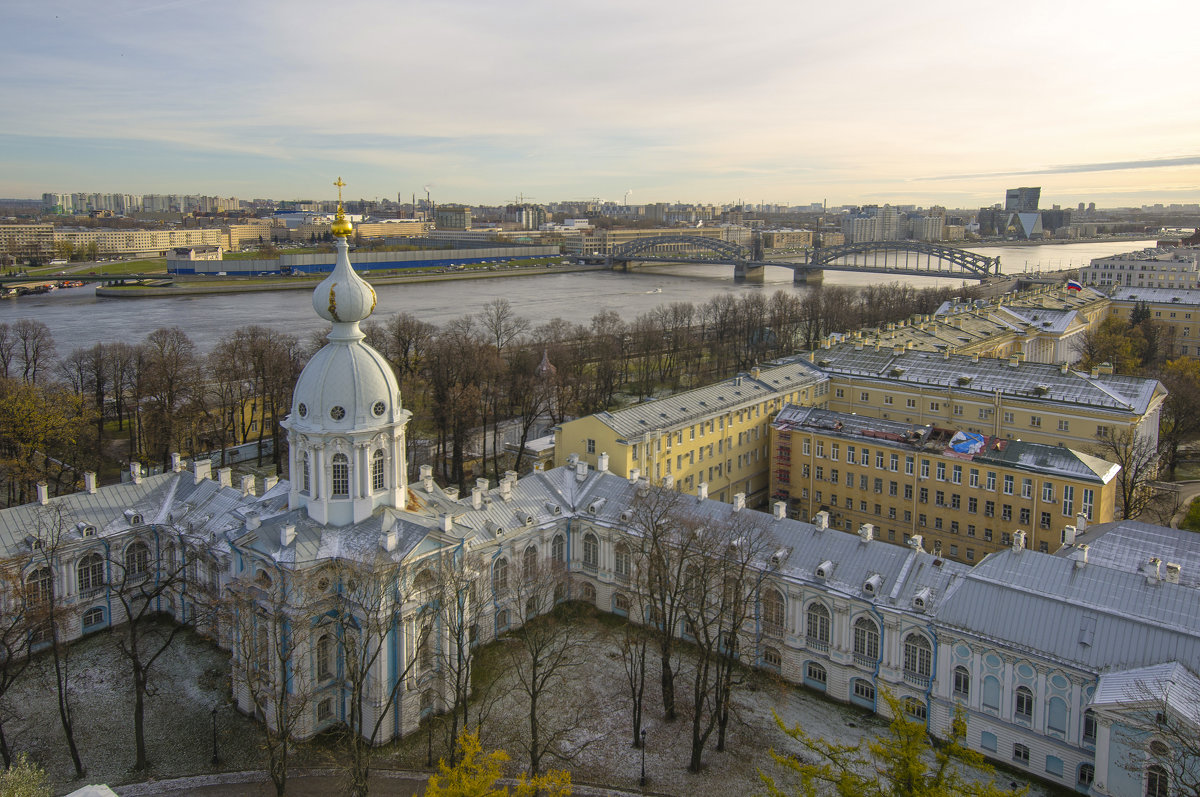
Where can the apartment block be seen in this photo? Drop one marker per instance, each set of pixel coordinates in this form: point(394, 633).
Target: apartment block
point(1170, 268)
point(716, 436)
point(1010, 399)
point(1177, 309)
point(962, 496)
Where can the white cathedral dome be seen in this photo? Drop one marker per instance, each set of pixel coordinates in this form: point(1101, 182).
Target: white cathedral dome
point(346, 386)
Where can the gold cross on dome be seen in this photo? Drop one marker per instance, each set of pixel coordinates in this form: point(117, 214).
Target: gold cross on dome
point(339, 185)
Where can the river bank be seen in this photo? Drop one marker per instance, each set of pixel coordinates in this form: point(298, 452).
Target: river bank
point(198, 286)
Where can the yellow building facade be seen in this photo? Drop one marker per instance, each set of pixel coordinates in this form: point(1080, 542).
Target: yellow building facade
point(1178, 310)
point(965, 496)
point(715, 435)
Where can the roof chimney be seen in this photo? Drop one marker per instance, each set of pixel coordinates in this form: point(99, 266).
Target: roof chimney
point(505, 489)
point(225, 477)
point(390, 540)
point(89, 481)
point(447, 522)
point(287, 534)
point(1064, 367)
point(1018, 541)
point(821, 520)
point(269, 482)
point(247, 485)
point(1068, 535)
point(866, 532)
point(1081, 559)
point(135, 472)
point(477, 497)
point(917, 543)
point(1173, 570)
point(1152, 570)
point(739, 502)
point(634, 475)
point(668, 481)
point(702, 491)
point(602, 462)
point(253, 521)
point(176, 463)
point(427, 478)
point(201, 470)
point(43, 493)
point(780, 509)
point(1081, 522)
point(580, 471)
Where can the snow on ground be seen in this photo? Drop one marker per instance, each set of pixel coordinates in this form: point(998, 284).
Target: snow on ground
point(193, 678)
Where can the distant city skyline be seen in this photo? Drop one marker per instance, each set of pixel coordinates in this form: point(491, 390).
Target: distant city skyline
point(783, 103)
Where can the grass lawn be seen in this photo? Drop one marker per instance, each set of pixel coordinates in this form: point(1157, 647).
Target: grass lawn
point(1192, 521)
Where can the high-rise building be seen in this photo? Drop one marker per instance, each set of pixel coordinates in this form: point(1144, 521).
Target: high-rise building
point(1022, 200)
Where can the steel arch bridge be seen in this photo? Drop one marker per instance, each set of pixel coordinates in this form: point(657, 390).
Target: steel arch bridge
point(668, 246)
point(975, 265)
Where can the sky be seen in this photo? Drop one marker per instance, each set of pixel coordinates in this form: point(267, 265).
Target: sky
point(786, 102)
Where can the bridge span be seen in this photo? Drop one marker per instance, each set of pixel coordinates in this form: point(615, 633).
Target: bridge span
point(902, 258)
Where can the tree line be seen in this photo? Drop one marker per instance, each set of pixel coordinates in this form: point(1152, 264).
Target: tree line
point(96, 407)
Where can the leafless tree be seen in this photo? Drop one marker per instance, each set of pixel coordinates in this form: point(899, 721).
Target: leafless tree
point(15, 635)
point(1161, 734)
point(34, 347)
point(269, 623)
point(147, 577)
point(369, 604)
point(540, 653)
point(1138, 458)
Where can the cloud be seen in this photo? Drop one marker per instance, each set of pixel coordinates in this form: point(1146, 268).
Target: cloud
point(1077, 168)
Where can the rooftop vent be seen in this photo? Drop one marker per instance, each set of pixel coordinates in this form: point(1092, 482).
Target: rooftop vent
point(779, 509)
point(1173, 572)
point(821, 520)
point(866, 532)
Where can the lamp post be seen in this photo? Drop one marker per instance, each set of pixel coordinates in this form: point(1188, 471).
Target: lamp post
point(642, 783)
point(214, 729)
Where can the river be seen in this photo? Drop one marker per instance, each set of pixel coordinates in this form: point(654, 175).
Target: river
point(77, 317)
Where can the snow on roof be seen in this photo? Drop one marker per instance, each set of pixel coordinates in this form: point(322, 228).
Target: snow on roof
point(703, 402)
point(1087, 615)
point(1128, 544)
point(988, 376)
point(1169, 684)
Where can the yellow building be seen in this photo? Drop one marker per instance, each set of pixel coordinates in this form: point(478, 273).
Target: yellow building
point(1044, 325)
point(1178, 310)
point(715, 435)
point(965, 496)
point(787, 239)
point(602, 242)
point(1011, 399)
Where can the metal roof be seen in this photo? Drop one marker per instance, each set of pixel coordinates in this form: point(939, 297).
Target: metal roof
point(1086, 615)
point(1038, 458)
point(987, 376)
point(705, 402)
point(1128, 545)
point(1169, 683)
point(1181, 296)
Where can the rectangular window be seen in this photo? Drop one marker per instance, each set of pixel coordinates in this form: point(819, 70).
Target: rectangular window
point(894, 463)
point(970, 529)
point(973, 477)
point(1027, 488)
point(989, 508)
point(1068, 500)
point(908, 516)
point(970, 554)
point(851, 456)
point(833, 475)
point(893, 489)
point(888, 399)
point(835, 451)
point(908, 491)
point(862, 482)
point(1045, 520)
point(820, 473)
point(923, 496)
point(972, 504)
point(1089, 497)
point(941, 471)
point(935, 406)
point(1035, 421)
point(821, 448)
point(807, 447)
point(1048, 492)
point(591, 446)
point(865, 457)
point(956, 474)
point(1008, 484)
point(1008, 417)
point(955, 501)
point(908, 465)
point(1064, 426)
point(1006, 512)
point(939, 498)
point(991, 481)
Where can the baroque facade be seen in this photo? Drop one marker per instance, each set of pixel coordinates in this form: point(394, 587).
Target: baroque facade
point(1033, 646)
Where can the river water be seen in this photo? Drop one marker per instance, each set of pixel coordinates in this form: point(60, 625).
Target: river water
point(78, 318)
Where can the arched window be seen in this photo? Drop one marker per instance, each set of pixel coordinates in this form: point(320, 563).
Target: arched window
point(93, 617)
point(815, 675)
point(991, 694)
point(915, 709)
point(918, 656)
point(501, 621)
point(772, 612)
point(623, 561)
point(306, 473)
point(772, 658)
point(591, 550)
point(1156, 781)
point(425, 651)
point(91, 572)
point(588, 592)
point(529, 563)
point(137, 559)
point(1087, 773)
point(621, 604)
point(423, 584)
point(340, 487)
point(377, 481)
point(558, 548)
point(817, 627)
point(531, 608)
point(1021, 755)
point(500, 574)
point(962, 683)
point(1024, 706)
point(1056, 717)
point(324, 657)
point(866, 640)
